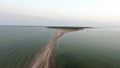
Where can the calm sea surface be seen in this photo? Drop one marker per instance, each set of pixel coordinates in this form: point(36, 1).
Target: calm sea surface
point(95, 48)
point(20, 45)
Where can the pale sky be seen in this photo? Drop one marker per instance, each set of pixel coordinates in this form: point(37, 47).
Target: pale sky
point(68, 12)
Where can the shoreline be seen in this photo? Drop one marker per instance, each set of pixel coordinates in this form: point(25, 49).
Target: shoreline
point(45, 58)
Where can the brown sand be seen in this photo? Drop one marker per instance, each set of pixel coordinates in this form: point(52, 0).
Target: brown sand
point(45, 59)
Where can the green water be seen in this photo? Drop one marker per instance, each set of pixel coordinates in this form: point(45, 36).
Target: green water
point(97, 48)
point(20, 45)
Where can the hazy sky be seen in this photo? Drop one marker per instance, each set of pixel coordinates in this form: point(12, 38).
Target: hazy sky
point(79, 12)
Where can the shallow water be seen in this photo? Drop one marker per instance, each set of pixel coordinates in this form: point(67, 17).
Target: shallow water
point(95, 48)
point(20, 45)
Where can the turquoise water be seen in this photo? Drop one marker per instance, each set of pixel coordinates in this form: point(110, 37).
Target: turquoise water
point(20, 45)
point(95, 48)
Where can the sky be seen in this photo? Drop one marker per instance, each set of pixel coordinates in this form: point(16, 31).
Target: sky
point(60, 12)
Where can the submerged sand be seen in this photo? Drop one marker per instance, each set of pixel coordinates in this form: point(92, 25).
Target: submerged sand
point(45, 59)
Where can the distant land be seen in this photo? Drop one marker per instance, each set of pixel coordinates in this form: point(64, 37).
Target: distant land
point(60, 26)
point(68, 27)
